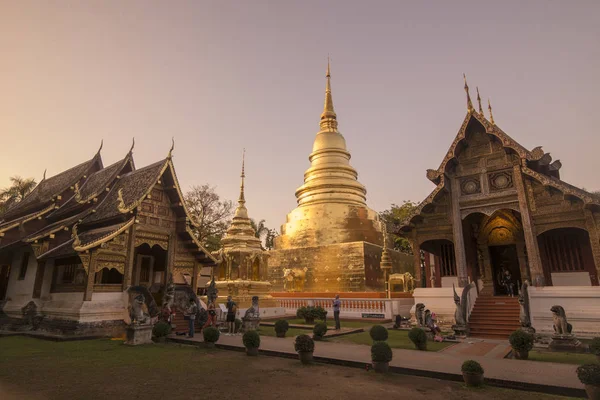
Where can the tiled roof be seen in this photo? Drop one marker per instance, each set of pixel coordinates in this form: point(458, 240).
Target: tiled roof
point(57, 226)
point(93, 186)
point(61, 250)
point(133, 186)
point(94, 237)
point(10, 224)
point(48, 188)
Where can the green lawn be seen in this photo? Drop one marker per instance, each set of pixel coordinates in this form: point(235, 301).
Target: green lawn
point(292, 332)
point(396, 340)
point(563, 358)
point(331, 322)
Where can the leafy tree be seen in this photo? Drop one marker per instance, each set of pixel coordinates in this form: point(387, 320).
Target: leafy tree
point(211, 213)
point(270, 239)
point(19, 188)
point(260, 228)
point(393, 218)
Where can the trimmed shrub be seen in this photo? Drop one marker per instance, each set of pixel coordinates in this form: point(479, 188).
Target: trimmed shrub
point(238, 325)
point(381, 352)
point(161, 329)
point(521, 340)
point(211, 334)
point(311, 313)
point(251, 340)
point(281, 326)
point(320, 330)
point(418, 337)
point(471, 367)
point(595, 346)
point(378, 333)
point(589, 374)
point(304, 344)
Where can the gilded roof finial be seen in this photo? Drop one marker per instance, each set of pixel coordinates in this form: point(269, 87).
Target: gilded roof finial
point(101, 145)
point(75, 236)
point(170, 155)
point(132, 145)
point(469, 103)
point(479, 101)
point(242, 198)
point(121, 206)
point(77, 192)
point(328, 117)
point(491, 115)
point(44, 177)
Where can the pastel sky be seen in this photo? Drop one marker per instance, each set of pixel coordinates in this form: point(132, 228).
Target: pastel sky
point(223, 75)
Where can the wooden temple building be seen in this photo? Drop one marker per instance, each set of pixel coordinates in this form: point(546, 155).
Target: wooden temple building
point(498, 206)
point(71, 248)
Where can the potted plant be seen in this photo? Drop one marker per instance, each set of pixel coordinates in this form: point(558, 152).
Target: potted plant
point(595, 347)
point(381, 355)
point(251, 341)
point(160, 331)
point(281, 327)
point(211, 335)
point(305, 347)
point(521, 343)
point(378, 333)
point(472, 373)
point(319, 330)
point(589, 375)
point(418, 337)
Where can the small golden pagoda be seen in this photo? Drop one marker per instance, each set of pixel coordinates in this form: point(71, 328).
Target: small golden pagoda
point(242, 262)
point(332, 241)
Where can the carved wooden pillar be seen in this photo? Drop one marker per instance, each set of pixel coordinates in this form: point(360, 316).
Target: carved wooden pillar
point(457, 234)
point(592, 229)
point(91, 276)
point(195, 277)
point(522, 256)
point(171, 251)
point(129, 261)
point(416, 259)
point(487, 278)
point(531, 243)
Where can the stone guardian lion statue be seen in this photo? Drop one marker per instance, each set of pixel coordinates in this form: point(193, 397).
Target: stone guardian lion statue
point(559, 319)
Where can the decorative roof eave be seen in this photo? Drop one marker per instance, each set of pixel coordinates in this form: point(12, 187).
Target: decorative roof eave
point(191, 220)
point(124, 209)
point(64, 224)
point(56, 249)
point(197, 243)
point(10, 225)
point(408, 221)
point(588, 199)
point(491, 129)
point(128, 159)
point(78, 246)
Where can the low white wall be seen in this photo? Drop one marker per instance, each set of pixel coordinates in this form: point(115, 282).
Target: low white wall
point(20, 291)
point(439, 301)
point(448, 281)
point(571, 279)
point(581, 304)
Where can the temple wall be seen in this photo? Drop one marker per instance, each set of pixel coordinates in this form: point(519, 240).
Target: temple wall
point(439, 300)
point(19, 291)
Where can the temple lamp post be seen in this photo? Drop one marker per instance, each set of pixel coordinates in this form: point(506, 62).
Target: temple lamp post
point(386, 263)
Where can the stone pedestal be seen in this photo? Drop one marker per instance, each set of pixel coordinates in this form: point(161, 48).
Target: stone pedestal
point(460, 330)
point(566, 343)
point(250, 324)
point(139, 334)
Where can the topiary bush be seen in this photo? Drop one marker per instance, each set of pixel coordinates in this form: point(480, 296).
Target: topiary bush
point(161, 329)
point(378, 333)
point(419, 338)
point(281, 327)
point(211, 334)
point(238, 325)
point(381, 352)
point(595, 346)
point(310, 313)
point(471, 367)
point(304, 344)
point(319, 330)
point(589, 374)
point(521, 340)
point(251, 340)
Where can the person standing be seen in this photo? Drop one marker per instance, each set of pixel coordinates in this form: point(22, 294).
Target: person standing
point(337, 303)
point(231, 310)
point(212, 314)
point(192, 311)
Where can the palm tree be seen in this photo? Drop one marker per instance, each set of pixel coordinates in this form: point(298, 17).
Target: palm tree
point(260, 228)
point(19, 188)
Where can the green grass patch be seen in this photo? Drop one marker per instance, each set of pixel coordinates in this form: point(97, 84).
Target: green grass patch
point(396, 340)
point(562, 358)
point(292, 332)
point(331, 323)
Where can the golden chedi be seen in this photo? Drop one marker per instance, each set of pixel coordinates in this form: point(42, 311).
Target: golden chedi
point(242, 262)
point(332, 241)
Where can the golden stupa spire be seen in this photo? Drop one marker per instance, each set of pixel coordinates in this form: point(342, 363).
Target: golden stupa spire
point(479, 101)
point(491, 115)
point(328, 117)
point(469, 103)
point(242, 199)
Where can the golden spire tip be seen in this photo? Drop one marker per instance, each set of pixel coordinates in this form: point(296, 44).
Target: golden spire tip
point(170, 155)
point(469, 102)
point(491, 115)
point(479, 101)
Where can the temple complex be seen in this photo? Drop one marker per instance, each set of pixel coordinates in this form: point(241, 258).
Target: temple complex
point(242, 262)
point(500, 207)
point(332, 242)
point(80, 239)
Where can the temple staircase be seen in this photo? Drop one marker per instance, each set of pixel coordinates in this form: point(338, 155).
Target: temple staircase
point(494, 317)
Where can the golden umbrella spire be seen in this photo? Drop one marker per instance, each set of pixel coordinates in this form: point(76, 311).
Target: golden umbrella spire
point(328, 117)
point(491, 115)
point(479, 101)
point(242, 198)
point(469, 103)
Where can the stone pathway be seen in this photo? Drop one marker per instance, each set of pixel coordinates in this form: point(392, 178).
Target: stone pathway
point(446, 364)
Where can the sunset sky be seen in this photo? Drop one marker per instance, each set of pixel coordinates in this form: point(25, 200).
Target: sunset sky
point(219, 76)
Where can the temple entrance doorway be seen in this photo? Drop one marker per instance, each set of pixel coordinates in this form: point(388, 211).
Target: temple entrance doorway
point(149, 267)
point(504, 258)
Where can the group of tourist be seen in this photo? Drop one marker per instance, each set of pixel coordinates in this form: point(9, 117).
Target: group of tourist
point(191, 312)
